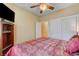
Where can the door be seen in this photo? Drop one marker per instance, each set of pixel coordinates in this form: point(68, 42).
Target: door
point(38, 29)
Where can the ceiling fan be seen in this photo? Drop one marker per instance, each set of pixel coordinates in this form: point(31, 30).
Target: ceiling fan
point(43, 7)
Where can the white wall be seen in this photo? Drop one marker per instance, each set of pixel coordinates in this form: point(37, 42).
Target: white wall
point(24, 24)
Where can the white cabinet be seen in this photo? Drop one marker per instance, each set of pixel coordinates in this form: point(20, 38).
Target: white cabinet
point(63, 28)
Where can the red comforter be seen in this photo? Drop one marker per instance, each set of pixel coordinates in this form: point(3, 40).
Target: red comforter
point(39, 47)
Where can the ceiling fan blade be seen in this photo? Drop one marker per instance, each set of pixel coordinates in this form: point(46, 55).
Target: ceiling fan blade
point(50, 7)
point(34, 6)
point(41, 11)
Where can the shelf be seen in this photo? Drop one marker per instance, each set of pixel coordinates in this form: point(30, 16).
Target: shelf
point(6, 31)
point(7, 47)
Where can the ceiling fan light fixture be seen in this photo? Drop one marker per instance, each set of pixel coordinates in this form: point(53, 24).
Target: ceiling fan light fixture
point(43, 6)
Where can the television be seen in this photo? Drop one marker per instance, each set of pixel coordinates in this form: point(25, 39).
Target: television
point(6, 13)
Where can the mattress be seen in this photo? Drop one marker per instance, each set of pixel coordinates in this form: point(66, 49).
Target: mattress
point(39, 47)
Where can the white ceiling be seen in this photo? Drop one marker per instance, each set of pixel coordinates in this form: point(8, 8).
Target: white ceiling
point(36, 10)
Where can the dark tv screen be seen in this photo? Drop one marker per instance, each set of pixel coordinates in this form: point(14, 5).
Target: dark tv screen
point(6, 13)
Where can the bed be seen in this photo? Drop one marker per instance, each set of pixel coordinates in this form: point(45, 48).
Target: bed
point(39, 47)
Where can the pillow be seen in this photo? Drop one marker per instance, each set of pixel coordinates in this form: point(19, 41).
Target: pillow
point(73, 44)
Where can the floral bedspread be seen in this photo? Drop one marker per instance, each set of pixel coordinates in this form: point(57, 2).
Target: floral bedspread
point(39, 47)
